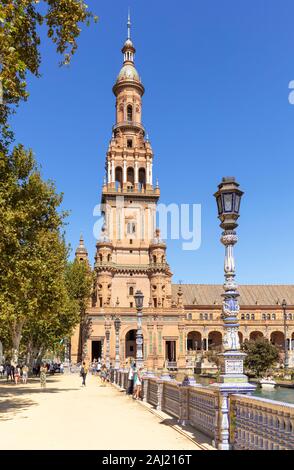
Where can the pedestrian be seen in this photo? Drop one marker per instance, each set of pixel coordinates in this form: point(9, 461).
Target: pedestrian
point(138, 384)
point(12, 369)
point(103, 375)
point(1, 370)
point(131, 379)
point(16, 374)
point(83, 373)
point(25, 374)
point(43, 371)
point(98, 367)
point(8, 371)
point(61, 368)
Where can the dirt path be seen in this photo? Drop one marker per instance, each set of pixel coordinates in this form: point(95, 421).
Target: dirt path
point(68, 416)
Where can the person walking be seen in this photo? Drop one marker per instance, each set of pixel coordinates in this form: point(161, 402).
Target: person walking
point(130, 388)
point(12, 369)
point(8, 371)
point(61, 368)
point(43, 371)
point(25, 374)
point(137, 384)
point(1, 370)
point(84, 371)
point(16, 374)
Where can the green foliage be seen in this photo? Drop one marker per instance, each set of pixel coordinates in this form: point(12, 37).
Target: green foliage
point(20, 21)
point(35, 305)
point(261, 355)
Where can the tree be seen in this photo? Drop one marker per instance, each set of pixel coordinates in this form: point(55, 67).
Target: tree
point(20, 21)
point(261, 355)
point(33, 253)
point(79, 280)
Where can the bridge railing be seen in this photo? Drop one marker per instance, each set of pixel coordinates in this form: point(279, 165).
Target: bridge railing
point(261, 424)
point(253, 423)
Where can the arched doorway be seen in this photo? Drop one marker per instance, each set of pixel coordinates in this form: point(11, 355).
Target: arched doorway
point(130, 344)
point(277, 338)
point(215, 340)
point(254, 335)
point(194, 341)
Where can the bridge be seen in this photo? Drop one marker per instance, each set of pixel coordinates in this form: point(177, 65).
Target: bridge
point(171, 416)
point(68, 416)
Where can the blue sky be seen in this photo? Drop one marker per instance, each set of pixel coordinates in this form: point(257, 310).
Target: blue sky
point(216, 74)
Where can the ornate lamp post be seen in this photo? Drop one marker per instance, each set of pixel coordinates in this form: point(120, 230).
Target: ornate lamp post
point(232, 378)
point(139, 298)
point(284, 306)
point(107, 336)
point(117, 324)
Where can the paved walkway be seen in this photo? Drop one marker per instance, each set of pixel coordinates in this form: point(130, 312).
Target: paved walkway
point(68, 416)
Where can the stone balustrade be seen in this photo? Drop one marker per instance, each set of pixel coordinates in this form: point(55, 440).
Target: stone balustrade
point(261, 424)
point(254, 423)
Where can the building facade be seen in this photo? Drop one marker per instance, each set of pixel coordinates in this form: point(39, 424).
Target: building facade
point(179, 321)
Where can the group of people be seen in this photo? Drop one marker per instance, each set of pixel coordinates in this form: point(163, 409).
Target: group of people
point(98, 369)
point(16, 373)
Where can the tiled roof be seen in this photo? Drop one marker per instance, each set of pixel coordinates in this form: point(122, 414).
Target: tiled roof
point(210, 294)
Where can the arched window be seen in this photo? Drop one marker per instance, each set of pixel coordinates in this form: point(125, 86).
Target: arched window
point(252, 316)
point(264, 316)
point(247, 316)
point(142, 178)
point(268, 317)
point(118, 177)
point(129, 113)
point(242, 316)
point(131, 291)
point(130, 175)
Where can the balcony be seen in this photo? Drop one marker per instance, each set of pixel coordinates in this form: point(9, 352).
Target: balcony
point(128, 124)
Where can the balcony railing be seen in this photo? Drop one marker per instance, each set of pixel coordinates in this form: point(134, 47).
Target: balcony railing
point(128, 124)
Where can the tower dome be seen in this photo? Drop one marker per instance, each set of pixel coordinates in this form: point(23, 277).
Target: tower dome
point(128, 72)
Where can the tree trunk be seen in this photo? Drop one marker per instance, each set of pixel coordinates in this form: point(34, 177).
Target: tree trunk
point(16, 337)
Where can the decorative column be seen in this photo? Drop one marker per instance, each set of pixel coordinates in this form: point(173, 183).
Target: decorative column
point(284, 306)
point(107, 336)
point(232, 378)
point(117, 324)
point(125, 172)
point(136, 173)
point(112, 172)
point(108, 172)
point(151, 174)
point(139, 298)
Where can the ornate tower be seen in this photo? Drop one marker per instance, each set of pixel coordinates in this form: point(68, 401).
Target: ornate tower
point(129, 257)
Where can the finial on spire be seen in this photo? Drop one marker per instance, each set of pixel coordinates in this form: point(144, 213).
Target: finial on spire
point(81, 240)
point(129, 24)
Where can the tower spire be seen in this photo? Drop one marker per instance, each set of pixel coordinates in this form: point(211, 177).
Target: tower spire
point(129, 24)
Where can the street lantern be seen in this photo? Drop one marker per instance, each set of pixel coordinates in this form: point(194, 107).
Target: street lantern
point(284, 307)
point(228, 198)
point(117, 325)
point(232, 378)
point(139, 299)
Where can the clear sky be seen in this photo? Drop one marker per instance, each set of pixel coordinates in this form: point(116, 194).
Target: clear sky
point(216, 74)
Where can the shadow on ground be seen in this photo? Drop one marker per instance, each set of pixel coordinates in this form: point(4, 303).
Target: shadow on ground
point(16, 398)
point(197, 436)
